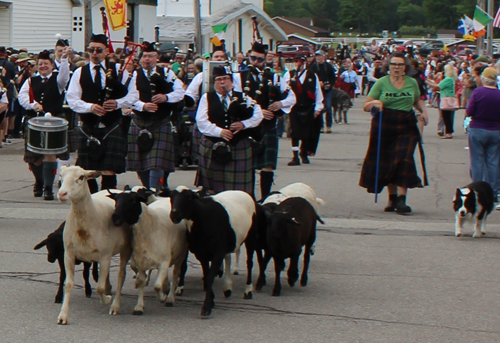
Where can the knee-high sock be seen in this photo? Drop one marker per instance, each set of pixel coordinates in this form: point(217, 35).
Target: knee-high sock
point(49, 173)
point(108, 182)
point(154, 178)
point(93, 187)
point(166, 174)
point(266, 182)
point(144, 177)
point(37, 173)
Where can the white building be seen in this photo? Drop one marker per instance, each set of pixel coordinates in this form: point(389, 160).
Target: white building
point(176, 22)
point(34, 23)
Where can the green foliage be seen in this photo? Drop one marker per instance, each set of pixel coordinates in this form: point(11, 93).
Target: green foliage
point(416, 30)
point(375, 16)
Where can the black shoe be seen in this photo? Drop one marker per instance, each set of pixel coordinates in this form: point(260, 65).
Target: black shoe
point(37, 190)
point(294, 162)
point(305, 159)
point(390, 208)
point(401, 207)
point(48, 194)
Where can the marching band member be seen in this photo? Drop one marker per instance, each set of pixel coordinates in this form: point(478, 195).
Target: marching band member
point(274, 101)
point(305, 113)
point(150, 141)
point(225, 151)
point(97, 95)
point(45, 93)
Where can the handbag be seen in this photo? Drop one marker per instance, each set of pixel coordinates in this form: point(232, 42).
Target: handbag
point(221, 153)
point(96, 150)
point(449, 103)
point(435, 100)
point(145, 141)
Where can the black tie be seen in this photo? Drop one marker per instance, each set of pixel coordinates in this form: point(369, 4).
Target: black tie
point(44, 79)
point(97, 79)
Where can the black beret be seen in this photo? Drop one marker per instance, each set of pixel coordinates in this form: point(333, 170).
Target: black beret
point(164, 59)
point(149, 47)
point(258, 48)
point(44, 55)
point(103, 39)
point(218, 48)
point(221, 71)
point(62, 42)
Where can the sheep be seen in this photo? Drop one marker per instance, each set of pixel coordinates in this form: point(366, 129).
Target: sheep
point(157, 243)
point(55, 251)
point(291, 226)
point(218, 225)
point(90, 236)
point(269, 204)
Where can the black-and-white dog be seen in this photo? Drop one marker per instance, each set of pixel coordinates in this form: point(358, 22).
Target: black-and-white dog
point(476, 199)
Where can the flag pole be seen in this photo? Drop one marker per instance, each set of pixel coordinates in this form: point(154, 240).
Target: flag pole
point(490, 28)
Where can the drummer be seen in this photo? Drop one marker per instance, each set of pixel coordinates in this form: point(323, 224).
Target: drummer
point(40, 94)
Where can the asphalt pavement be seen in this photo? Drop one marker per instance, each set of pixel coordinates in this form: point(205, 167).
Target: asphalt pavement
point(375, 276)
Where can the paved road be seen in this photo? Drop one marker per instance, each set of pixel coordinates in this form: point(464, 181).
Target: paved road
point(375, 277)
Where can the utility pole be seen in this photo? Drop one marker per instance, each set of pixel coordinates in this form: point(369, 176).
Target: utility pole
point(198, 44)
point(490, 28)
point(88, 21)
point(480, 40)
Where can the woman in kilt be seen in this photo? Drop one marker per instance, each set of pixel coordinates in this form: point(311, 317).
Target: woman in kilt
point(225, 161)
point(393, 97)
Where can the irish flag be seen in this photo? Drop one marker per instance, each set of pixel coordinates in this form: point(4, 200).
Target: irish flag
point(481, 19)
point(219, 31)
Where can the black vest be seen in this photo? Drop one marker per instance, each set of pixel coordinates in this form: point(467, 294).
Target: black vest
point(223, 119)
point(149, 87)
point(47, 94)
point(306, 92)
point(251, 84)
point(91, 94)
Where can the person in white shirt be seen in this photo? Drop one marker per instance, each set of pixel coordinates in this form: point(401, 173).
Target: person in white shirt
point(224, 118)
point(97, 94)
point(39, 94)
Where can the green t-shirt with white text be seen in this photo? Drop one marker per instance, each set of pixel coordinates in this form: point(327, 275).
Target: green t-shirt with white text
point(394, 98)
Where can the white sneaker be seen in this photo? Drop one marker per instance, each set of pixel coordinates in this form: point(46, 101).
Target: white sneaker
point(7, 142)
point(498, 207)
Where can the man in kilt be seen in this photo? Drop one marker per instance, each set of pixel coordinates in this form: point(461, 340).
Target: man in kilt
point(304, 118)
point(272, 93)
point(159, 91)
point(97, 95)
point(225, 151)
point(44, 93)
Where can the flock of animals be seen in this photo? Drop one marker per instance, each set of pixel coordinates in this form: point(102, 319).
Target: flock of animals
point(153, 232)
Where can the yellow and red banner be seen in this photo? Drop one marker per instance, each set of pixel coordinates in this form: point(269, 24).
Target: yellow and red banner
point(117, 16)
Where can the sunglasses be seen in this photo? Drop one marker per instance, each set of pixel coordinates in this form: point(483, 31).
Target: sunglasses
point(92, 50)
point(258, 59)
point(397, 65)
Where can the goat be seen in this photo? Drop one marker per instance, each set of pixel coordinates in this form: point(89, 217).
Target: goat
point(269, 204)
point(218, 225)
point(55, 251)
point(157, 243)
point(291, 226)
point(90, 236)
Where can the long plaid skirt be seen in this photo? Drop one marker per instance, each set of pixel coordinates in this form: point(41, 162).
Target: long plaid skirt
point(397, 164)
point(269, 157)
point(235, 175)
point(115, 148)
point(161, 156)
point(31, 157)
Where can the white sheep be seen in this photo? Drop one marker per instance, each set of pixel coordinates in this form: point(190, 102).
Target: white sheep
point(90, 236)
point(157, 242)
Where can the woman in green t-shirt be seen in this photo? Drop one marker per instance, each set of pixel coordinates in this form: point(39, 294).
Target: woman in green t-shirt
point(393, 97)
point(447, 89)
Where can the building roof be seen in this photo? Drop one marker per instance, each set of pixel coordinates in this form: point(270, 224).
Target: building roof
point(302, 37)
point(305, 23)
point(182, 28)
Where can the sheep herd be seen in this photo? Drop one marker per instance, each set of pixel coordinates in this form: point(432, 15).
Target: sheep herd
point(153, 232)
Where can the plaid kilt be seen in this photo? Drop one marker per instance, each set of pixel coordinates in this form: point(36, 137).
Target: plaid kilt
point(195, 143)
point(397, 165)
point(269, 157)
point(115, 147)
point(161, 156)
point(235, 175)
point(31, 157)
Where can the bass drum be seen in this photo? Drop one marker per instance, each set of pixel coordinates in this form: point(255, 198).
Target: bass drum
point(47, 135)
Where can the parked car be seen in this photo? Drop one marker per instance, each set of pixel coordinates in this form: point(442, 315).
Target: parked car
point(427, 48)
point(290, 50)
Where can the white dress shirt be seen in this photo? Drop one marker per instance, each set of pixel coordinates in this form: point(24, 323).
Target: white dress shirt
point(290, 99)
point(208, 128)
point(194, 89)
point(62, 81)
point(318, 92)
point(175, 96)
point(74, 93)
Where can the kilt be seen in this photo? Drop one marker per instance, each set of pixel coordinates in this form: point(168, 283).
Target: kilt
point(235, 175)
point(397, 164)
point(31, 157)
point(269, 157)
point(161, 156)
point(115, 149)
point(195, 146)
point(302, 126)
